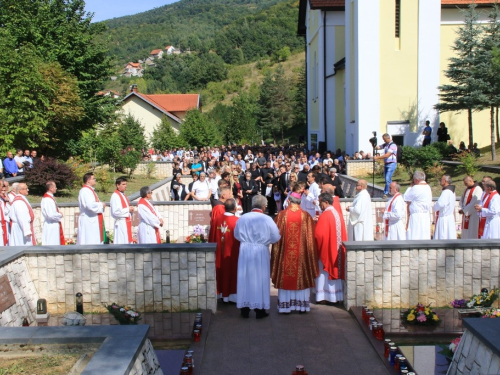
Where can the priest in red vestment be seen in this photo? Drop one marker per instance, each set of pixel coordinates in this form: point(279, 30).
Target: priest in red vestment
point(226, 255)
point(294, 259)
point(218, 210)
point(330, 189)
point(329, 234)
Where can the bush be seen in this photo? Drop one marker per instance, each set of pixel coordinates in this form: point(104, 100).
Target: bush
point(49, 169)
point(435, 172)
point(469, 164)
point(79, 168)
point(104, 180)
point(420, 158)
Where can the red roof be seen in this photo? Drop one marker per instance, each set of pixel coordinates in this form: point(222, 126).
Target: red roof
point(338, 4)
point(134, 65)
point(155, 52)
point(173, 102)
point(168, 47)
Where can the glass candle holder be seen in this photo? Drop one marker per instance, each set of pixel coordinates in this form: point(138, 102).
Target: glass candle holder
point(396, 362)
point(197, 335)
point(402, 364)
point(386, 347)
point(371, 321)
point(403, 371)
point(198, 327)
point(380, 333)
point(184, 370)
point(363, 312)
point(392, 354)
point(369, 314)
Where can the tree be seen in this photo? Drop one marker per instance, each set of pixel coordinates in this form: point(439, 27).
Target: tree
point(241, 127)
point(164, 136)
point(465, 90)
point(130, 135)
point(199, 130)
point(299, 108)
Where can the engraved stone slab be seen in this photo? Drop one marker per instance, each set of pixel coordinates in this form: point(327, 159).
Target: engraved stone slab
point(199, 217)
point(7, 298)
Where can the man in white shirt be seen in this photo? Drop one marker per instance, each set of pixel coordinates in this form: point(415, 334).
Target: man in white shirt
point(213, 179)
point(121, 212)
point(419, 198)
point(394, 214)
point(52, 227)
point(360, 226)
point(444, 210)
point(19, 158)
point(309, 201)
point(470, 218)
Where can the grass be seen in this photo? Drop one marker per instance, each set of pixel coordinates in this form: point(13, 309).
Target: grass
point(44, 365)
point(71, 196)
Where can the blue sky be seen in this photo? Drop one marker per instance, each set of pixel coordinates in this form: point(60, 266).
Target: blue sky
point(106, 9)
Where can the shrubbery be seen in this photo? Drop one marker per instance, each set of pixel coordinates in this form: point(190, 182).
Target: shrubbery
point(49, 169)
point(424, 157)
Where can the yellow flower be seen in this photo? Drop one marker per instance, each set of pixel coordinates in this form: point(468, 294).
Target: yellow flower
point(427, 311)
point(412, 311)
point(435, 317)
point(410, 317)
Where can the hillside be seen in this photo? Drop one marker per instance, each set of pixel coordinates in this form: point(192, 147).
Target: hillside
point(184, 24)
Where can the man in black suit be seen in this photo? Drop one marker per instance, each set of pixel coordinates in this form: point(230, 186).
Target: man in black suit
point(336, 182)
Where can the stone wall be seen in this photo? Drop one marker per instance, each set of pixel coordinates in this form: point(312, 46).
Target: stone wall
point(150, 278)
point(396, 275)
point(361, 168)
point(147, 362)
point(163, 169)
point(24, 291)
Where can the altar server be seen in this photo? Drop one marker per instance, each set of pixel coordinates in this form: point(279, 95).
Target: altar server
point(150, 220)
point(91, 229)
point(52, 227)
point(121, 212)
point(394, 214)
point(444, 210)
point(419, 198)
point(360, 226)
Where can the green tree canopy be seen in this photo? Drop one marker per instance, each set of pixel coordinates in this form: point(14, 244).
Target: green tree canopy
point(199, 130)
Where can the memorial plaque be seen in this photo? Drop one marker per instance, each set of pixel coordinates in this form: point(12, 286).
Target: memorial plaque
point(7, 298)
point(77, 215)
point(199, 217)
point(135, 219)
point(379, 215)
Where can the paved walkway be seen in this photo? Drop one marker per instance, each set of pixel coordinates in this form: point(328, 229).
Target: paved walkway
point(326, 340)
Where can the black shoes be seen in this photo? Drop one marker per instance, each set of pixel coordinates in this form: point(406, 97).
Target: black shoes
point(260, 313)
point(245, 312)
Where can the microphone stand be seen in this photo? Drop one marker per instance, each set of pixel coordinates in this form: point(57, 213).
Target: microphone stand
point(373, 171)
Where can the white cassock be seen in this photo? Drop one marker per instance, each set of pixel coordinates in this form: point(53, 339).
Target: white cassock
point(4, 224)
point(52, 217)
point(256, 232)
point(360, 226)
point(149, 221)
point(419, 223)
point(470, 218)
point(492, 215)
point(22, 233)
point(394, 217)
point(120, 214)
point(88, 221)
point(307, 200)
point(445, 216)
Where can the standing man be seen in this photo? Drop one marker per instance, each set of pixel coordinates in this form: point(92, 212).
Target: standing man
point(427, 133)
point(390, 160)
point(150, 220)
point(309, 201)
point(329, 234)
point(19, 158)
point(394, 215)
point(4, 213)
point(226, 254)
point(121, 212)
point(52, 227)
point(22, 218)
point(489, 211)
point(10, 166)
point(444, 209)
point(255, 231)
point(336, 183)
point(419, 199)
point(90, 222)
point(294, 260)
point(218, 210)
point(470, 218)
point(360, 226)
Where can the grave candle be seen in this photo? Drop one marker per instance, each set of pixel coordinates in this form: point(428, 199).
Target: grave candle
point(196, 335)
point(392, 354)
point(386, 347)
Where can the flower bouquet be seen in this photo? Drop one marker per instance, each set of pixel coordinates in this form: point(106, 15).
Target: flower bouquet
point(420, 315)
point(198, 235)
point(483, 299)
point(70, 241)
point(124, 315)
point(449, 351)
point(459, 303)
point(493, 313)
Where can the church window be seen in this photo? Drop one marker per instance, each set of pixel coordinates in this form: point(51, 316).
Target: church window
point(398, 18)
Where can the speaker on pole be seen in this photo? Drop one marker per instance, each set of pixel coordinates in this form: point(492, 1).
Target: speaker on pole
point(321, 147)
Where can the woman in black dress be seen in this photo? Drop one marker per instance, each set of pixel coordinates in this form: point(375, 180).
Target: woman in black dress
point(442, 133)
point(249, 189)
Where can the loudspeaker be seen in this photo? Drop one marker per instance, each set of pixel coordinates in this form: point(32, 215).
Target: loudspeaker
point(321, 147)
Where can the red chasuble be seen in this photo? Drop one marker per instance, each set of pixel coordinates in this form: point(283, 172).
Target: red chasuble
point(336, 205)
point(294, 259)
point(62, 240)
point(32, 216)
point(217, 211)
point(226, 255)
point(329, 236)
point(128, 219)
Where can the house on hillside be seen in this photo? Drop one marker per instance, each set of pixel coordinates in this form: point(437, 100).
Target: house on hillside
point(169, 50)
point(133, 69)
point(375, 65)
point(156, 54)
point(149, 110)
point(150, 62)
point(112, 93)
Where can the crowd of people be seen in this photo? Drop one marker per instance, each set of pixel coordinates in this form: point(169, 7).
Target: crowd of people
point(13, 166)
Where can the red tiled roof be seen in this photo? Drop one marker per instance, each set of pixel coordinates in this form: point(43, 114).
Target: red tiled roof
point(338, 4)
point(173, 102)
point(134, 65)
point(155, 52)
point(168, 47)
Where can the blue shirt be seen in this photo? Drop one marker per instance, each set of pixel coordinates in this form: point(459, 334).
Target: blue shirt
point(428, 129)
point(10, 166)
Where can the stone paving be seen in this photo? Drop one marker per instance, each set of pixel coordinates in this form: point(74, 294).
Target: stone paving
point(326, 340)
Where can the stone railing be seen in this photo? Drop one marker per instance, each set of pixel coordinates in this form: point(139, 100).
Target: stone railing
point(360, 168)
point(349, 187)
point(396, 274)
point(150, 278)
point(162, 169)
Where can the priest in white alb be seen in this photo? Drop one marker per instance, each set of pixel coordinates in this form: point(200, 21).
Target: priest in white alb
point(419, 198)
point(150, 220)
point(394, 215)
point(121, 212)
point(90, 222)
point(489, 212)
point(255, 231)
point(360, 225)
point(4, 213)
point(470, 218)
point(309, 201)
point(444, 210)
point(22, 218)
point(52, 233)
